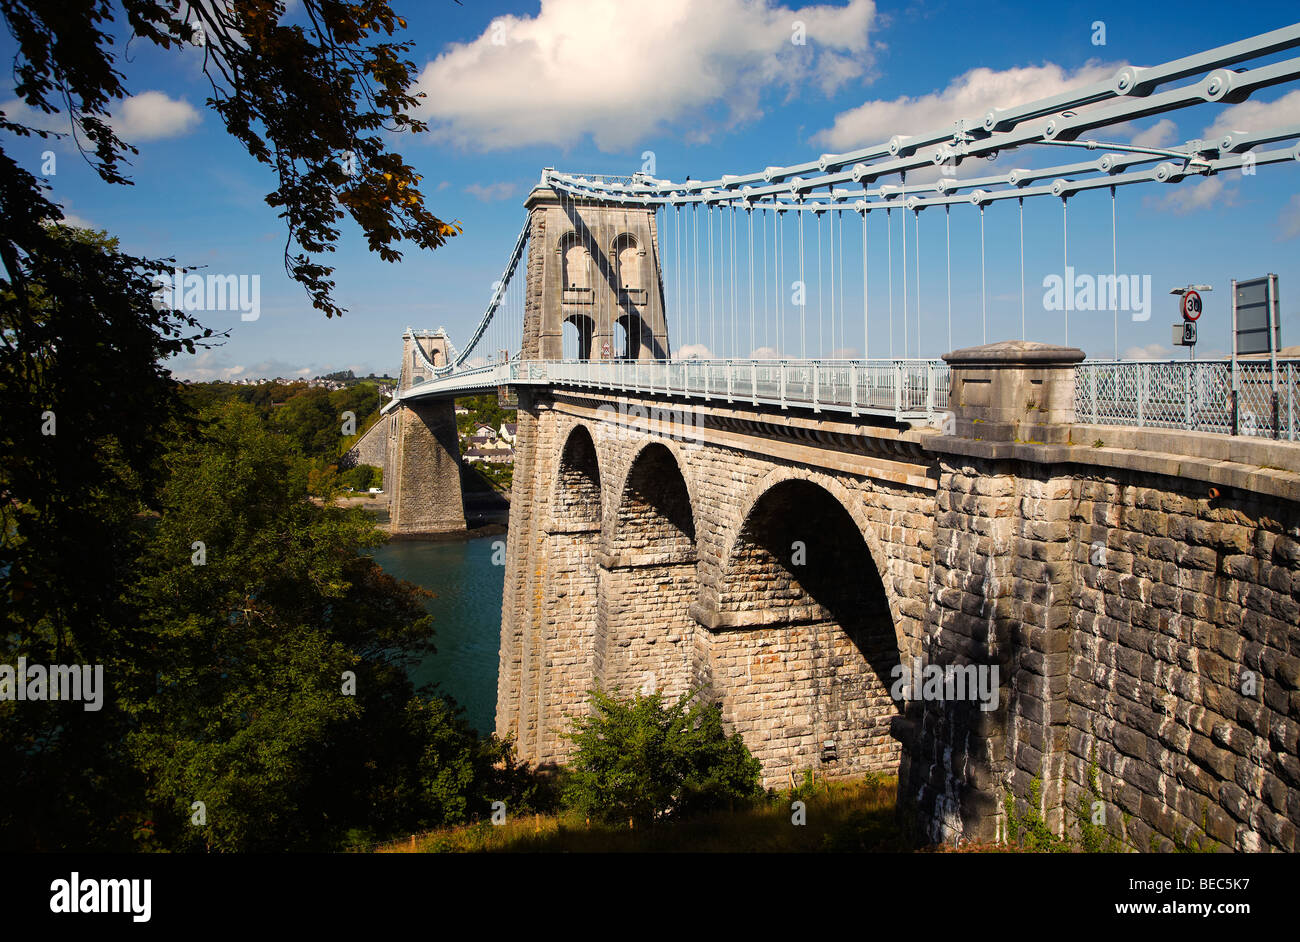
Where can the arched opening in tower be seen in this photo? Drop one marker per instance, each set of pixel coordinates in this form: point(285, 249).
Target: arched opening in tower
point(578, 332)
point(631, 337)
point(627, 255)
point(577, 266)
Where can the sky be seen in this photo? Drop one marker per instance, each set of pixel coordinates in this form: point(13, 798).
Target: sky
point(707, 88)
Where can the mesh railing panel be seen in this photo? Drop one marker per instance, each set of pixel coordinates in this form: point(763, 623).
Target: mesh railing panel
point(1192, 395)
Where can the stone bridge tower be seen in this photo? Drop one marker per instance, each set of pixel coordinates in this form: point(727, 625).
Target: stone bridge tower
point(596, 266)
point(436, 347)
point(422, 473)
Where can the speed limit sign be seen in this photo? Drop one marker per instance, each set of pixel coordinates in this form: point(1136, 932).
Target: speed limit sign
point(1191, 306)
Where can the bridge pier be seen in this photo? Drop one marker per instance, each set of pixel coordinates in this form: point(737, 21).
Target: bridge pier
point(1001, 595)
point(425, 493)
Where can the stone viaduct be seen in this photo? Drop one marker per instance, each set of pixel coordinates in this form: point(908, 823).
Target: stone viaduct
point(1137, 590)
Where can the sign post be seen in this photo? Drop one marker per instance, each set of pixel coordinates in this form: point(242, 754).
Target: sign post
point(1190, 307)
point(1256, 328)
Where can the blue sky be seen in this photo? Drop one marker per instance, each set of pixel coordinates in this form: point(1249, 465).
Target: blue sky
point(710, 88)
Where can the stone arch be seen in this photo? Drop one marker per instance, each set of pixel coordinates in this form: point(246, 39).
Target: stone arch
point(566, 643)
point(639, 450)
point(577, 481)
point(851, 502)
point(647, 637)
point(654, 512)
point(804, 618)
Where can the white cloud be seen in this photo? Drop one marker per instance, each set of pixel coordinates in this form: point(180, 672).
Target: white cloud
point(765, 353)
point(967, 96)
point(152, 115)
point(210, 365)
point(1152, 351)
point(620, 71)
point(488, 192)
point(1161, 134)
point(1256, 116)
point(17, 111)
point(143, 117)
point(1288, 221)
point(77, 222)
point(694, 350)
point(1187, 197)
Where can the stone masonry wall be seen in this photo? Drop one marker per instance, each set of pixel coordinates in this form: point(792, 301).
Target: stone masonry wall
point(1183, 602)
point(1124, 611)
point(633, 600)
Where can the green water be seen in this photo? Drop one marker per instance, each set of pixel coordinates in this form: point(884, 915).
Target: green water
point(466, 610)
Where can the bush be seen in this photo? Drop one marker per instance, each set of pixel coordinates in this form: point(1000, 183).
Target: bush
point(362, 477)
point(643, 761)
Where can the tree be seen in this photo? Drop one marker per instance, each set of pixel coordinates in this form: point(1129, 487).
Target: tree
point(269, 681)
point(85, 397)
point(91, 409)
point(639, 759)
point(312, 102)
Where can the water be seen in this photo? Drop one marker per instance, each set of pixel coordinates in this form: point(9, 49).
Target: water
point(466, 610)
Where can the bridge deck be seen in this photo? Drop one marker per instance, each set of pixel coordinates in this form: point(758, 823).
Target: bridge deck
point(908, 390)
point(1252, 397)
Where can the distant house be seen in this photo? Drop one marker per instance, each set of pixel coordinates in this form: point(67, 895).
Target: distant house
point(490, 455)
point(508, 431)
point(482, 435)
point(461, 410)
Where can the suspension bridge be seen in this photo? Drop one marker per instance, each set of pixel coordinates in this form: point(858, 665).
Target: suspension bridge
point(803, 485)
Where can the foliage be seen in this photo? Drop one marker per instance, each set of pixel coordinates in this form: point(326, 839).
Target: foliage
point(84, 400)
point(844, 815)
point(1029, 831)
point(483, 409)
point(229, 686)
point(315, 103)
point(362, 477)
point(240, 697)
point(485, 476)
point(1193, 843)
point(224, 678)
point(641, 760)
point(312, 418)
point(1093, 838)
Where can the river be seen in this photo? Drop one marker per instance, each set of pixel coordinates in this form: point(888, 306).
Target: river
point(466, 610)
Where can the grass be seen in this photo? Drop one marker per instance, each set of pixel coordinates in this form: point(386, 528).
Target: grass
point(842, 815)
